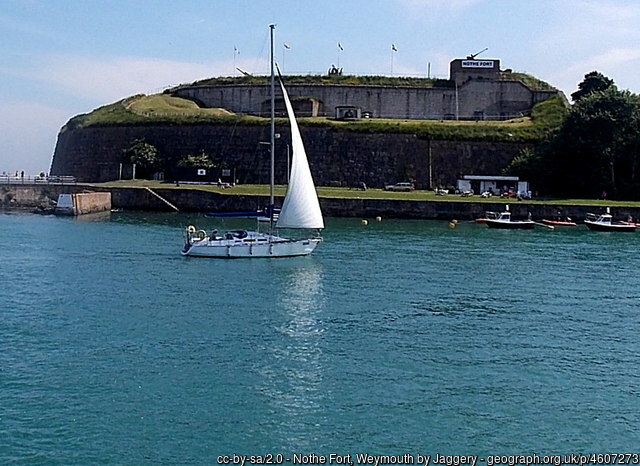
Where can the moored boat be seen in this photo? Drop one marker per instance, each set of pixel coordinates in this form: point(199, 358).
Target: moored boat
point(604, 222)
point(300, 209)
point(560, 223)
point(503, 220)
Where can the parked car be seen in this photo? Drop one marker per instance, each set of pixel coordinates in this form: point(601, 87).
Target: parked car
point(404, 186)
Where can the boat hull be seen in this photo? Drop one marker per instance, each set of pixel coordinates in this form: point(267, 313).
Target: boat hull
point(622, 227)
point(509, 225)
point(559, 223)
point(263, 247)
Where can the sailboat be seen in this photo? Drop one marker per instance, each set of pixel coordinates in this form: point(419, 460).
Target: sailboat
point(300, 209)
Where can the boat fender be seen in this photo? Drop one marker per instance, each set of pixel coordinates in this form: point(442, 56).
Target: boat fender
point(201, 234)
point(191, 229)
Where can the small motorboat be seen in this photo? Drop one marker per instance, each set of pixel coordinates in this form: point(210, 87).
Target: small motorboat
point(560, 223)
point(503, 221)
point(604, 222)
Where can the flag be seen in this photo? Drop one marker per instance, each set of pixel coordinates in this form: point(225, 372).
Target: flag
point(286, 46)
point(340, 46)
point(235, 50)
point(393, 47)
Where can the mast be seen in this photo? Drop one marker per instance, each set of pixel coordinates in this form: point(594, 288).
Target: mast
point(273, 133)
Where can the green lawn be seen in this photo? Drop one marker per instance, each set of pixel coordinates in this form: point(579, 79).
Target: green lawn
point(347, 193)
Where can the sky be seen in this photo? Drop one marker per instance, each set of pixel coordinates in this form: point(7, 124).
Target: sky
point(60, 58)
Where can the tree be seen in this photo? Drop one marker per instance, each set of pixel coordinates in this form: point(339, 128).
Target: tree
point(596, 147)
point(201, 160)
point(144, 155)
point(530, 165)
point(592, 82)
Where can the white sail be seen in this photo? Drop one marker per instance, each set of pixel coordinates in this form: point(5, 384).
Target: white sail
point(300, 208)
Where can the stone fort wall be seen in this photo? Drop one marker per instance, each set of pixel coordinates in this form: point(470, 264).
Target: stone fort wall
point(474, 99)
point(337, 157)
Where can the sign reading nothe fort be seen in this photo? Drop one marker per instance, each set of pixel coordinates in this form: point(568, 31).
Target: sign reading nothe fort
point(477, 63)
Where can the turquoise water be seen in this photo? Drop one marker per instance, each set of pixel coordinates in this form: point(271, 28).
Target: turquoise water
point(399, 337)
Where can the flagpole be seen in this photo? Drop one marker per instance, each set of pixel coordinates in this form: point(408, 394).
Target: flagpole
point(285, 47)
point(393, 49)
point(235, 52)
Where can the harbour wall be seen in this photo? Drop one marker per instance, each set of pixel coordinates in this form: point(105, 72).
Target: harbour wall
point(38, 198)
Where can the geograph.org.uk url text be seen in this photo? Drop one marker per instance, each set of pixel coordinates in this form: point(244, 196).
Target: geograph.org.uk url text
point(428, 460)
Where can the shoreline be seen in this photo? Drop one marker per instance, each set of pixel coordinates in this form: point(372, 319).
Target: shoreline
point(40, 198)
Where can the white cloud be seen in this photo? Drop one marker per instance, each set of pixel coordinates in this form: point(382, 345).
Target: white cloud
point(588, 35)
point(107, 80)
point(612, 63)
point(30, 129)
point(28, 137)
point(455, 5)
point(611, 10)
point(584, 26)
point(435, 9)
point(613, 58)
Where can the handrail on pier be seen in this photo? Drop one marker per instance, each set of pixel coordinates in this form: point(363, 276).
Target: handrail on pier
point(163, 199)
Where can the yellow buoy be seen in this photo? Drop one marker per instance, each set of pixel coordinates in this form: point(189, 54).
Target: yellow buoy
point(365, 222)
point(379, 219)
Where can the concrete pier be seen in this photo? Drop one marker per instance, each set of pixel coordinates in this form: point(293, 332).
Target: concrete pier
point(83, 203)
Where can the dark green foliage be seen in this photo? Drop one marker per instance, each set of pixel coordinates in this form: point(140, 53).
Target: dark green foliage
point(145, 156)
point(595, 150)
point(593, 82)
point(531, 81)
point(550, 113)
point(600, 140)
point(201, 160)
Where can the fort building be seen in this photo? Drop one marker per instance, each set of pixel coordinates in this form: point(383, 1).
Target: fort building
point(476, 90)
point(338, 154)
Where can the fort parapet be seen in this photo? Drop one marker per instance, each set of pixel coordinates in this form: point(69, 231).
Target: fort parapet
point(476, 90)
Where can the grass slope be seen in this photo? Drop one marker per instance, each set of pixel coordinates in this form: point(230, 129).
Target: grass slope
point(166, 109)
point(347, 193)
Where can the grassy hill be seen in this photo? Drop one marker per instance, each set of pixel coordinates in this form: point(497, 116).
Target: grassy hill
point(167, 109)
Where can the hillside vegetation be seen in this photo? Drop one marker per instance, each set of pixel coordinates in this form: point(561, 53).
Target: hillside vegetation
point(357, 80)
point(327, 79)
point(167, 109)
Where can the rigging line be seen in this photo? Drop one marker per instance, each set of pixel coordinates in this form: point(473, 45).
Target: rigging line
point(260, 60)
point(228, 142)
